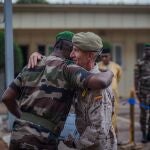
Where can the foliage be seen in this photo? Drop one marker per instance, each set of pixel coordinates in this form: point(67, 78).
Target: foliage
point(31, 2)
point(18, 57)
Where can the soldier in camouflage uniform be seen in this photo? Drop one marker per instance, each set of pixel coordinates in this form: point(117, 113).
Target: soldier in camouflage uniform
point(93, 108)
point(44, 95)
point(142, 87)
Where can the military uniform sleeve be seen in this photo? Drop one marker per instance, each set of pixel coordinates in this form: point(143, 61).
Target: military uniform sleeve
point(80, 78)
point(17, 82)
point(77, 76)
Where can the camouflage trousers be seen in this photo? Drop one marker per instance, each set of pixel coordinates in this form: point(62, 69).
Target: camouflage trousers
point(145, 114)
point(28, 136)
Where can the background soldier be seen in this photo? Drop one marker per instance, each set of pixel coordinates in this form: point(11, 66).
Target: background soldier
point(142, 87)
point(45, 96)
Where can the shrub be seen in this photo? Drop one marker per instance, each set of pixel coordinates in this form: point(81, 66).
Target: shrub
point(18, 57)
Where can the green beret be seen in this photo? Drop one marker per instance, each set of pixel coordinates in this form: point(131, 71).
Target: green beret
point(107, 47)
point(66, 35)
point(87, 41)
point(147, 46)
point(106, 50)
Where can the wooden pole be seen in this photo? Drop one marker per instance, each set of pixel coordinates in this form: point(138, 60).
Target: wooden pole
point(132, 119)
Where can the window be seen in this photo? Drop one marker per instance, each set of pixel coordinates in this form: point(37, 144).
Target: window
point(41, 49)
point(117, 54)
point(139, 50)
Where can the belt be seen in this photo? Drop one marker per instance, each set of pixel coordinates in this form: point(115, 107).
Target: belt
point(38, 121)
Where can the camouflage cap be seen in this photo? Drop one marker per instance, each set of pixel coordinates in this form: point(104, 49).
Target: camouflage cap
point(87, 41)
point(66, 35)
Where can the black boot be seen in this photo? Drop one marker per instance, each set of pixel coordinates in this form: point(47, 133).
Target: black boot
point(144, 138)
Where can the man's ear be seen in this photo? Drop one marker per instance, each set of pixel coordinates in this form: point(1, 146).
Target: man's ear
point(90, 55)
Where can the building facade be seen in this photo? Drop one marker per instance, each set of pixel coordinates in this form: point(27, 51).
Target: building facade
point(127, 27)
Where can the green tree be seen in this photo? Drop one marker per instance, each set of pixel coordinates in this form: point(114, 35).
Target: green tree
point(31, 2)
point(18, 57)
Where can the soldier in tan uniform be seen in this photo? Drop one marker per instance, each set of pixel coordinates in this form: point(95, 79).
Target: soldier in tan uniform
point(93, 108)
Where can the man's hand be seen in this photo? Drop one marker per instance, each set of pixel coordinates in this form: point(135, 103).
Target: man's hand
point(33, 60)
point(69, 141)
